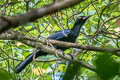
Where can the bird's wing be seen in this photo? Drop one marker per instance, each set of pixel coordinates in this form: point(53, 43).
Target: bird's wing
point(60, 34)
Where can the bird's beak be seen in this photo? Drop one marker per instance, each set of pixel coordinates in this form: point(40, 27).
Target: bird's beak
point(86, 17)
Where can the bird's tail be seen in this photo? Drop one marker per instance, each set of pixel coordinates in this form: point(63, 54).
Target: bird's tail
point(28, 60)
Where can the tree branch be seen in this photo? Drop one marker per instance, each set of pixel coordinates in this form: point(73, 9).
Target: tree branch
point(7, 23)
point(54, 51)
point(19, 37)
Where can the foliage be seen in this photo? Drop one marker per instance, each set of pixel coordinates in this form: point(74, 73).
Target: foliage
point(4, 75)
point(106, 67)
point(72, 72)
point(12, 51)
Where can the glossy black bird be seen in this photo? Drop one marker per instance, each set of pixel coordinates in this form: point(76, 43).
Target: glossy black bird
point(67, 35)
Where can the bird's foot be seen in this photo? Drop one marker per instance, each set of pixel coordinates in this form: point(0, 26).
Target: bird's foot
point(71, 56)
point(61, 51)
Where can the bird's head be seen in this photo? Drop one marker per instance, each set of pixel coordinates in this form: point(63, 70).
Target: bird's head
point(82, 19)
point(78, 24)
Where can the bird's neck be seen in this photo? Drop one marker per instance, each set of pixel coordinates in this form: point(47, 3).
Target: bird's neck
point(76, 28)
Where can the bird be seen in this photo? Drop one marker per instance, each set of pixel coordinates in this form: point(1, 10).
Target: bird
point(66, 35)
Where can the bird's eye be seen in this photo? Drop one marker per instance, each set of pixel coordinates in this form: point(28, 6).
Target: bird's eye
point(80, 17)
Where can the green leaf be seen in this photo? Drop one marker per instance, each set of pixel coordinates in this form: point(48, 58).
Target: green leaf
point(106, 66)
point(72, 71)
point(4, 75)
